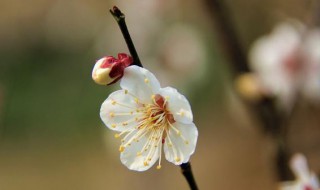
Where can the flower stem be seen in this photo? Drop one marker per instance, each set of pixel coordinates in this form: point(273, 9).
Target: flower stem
point(187, 172)
point(120, 18)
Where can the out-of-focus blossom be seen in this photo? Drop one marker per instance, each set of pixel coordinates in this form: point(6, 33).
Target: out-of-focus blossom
point(287, 63)
point(248, 86)
point(181, 52)
point(109, 70)
point(305, 179)
point(148, 118)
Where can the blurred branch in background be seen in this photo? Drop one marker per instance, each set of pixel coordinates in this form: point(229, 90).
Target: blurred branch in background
point(272, 121)
point(317, 13)
point(228, 36)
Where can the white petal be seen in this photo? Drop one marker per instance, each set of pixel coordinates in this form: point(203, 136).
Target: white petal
point(119, 111)
point(290, 185)
point(177, 104)
point(314, 182)
point(130, 158)
point(311, 46)
point(299, 166)
point(140, 82)
point(182, 146)
point(311, 87)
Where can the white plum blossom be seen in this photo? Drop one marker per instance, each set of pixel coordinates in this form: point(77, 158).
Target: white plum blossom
point(149, 118)
point(305, 179)
point(287, 63)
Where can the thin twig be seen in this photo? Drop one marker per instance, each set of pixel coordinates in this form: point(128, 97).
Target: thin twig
point(187, 172)
point(120, 18)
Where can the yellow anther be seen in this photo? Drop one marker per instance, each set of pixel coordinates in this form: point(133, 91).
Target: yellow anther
point(167, 97)
point(113, 102)
point(129, 144)
point(187, 142)
point(137, 110)
point(149, 159)
point(111, 114)
point(178, 133)
point(153, 96)
point(131, 112)
point(122, 140)
point(124, 123)
point(145, 163)
point(146, 80)
point(116, 136)
point(139, 154)
point(136, 118)
point(177, 159)
point(121, 148)
point(113, 125)
point(182, 113)
point(126, 91)
point(158, 167)
point(136, 100)
point(170, 144)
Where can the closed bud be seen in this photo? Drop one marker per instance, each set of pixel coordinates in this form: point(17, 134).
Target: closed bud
point(109, 70)
point(249, 87)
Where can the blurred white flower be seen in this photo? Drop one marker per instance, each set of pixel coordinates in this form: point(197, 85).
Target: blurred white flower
point(181, 51)
point(148, 118)
point(305, 179)
point(287, 63)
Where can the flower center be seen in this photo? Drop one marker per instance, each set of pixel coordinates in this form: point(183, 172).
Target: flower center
point(293, 63)
point(157, 112)
point(153, 122)
point(307, 187)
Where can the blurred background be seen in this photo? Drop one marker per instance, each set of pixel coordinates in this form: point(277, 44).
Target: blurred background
point(51, 136)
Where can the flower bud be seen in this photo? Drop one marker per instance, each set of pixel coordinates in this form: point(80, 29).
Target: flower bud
point(248, 87)
point(109, 70)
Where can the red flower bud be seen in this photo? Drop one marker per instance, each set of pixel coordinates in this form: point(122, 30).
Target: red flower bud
point(109, 70)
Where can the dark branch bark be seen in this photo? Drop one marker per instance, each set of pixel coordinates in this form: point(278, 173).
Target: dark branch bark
point(120, 18)
point(187, 172)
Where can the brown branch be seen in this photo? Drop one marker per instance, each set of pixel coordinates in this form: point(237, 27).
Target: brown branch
point(120, 18)
point(187, 172)
point(272, 121)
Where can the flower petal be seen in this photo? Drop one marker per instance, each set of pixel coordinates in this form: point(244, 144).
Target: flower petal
point(119, 111)
point(299, 166)
point(180, 142)
point(178, 105)
point(314, 182)
point(135, 157)
point(140, 82)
